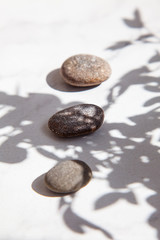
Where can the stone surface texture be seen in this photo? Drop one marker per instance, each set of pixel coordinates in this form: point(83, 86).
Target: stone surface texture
point(85, 70)
point(68, 176)
point(77, 120)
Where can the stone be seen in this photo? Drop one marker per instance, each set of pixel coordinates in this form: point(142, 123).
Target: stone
point(85, 70)
point(68, 176)
point(77, 120)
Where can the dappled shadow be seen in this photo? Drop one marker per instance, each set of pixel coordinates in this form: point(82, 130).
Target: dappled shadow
point(133, 157)
point(137, 158)
point(24, 126)
point(135, 154)
point(25, 118)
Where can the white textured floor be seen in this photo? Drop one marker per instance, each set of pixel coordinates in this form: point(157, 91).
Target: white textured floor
point(122, 200)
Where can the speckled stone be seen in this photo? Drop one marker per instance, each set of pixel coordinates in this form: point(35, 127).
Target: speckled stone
point(85, 70)
point(68, 176)
point(77, 120)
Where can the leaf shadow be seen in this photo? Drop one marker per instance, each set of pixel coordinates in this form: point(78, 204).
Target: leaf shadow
point(155, 58)
point(136, 21)
point(119, 45)
point(110, 198)
point(77, 223)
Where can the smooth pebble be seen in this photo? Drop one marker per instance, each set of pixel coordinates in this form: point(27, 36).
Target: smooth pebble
point(85, 70)
point(77, 120)
point(68, 176)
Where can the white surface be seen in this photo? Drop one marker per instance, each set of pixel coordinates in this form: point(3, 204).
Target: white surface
point(122, 200)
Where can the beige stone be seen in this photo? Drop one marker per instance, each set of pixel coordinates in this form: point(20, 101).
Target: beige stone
point(85, 70)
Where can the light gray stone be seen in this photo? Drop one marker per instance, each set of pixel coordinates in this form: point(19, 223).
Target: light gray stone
point(68, 176)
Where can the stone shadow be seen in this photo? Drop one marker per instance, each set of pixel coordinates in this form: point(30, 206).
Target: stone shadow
point(39, 187)
point(55, 81)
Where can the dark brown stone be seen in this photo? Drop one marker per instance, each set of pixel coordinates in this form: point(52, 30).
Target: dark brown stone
point(77, 120)
point(85, 70)
point(68, 176)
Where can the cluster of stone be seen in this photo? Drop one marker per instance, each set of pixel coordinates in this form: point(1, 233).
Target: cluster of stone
point(80, 71)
